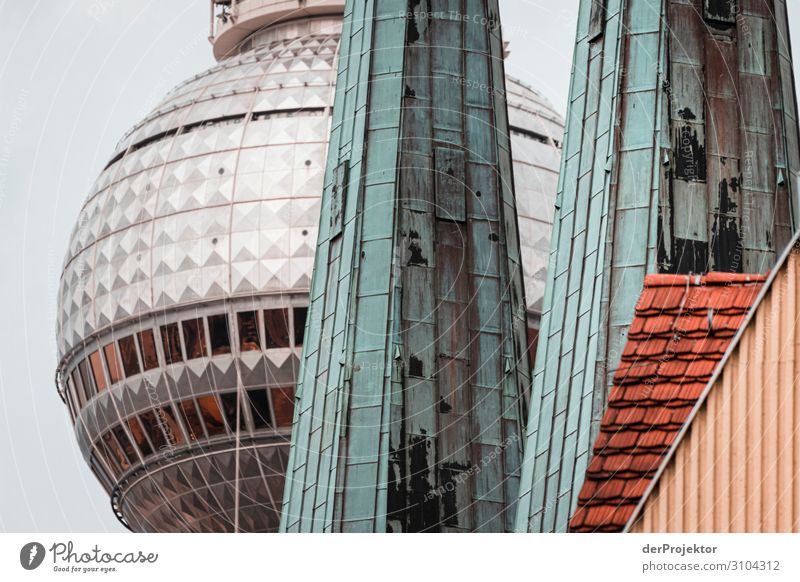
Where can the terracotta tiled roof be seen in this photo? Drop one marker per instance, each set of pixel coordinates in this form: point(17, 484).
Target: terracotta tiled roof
point(682, 328)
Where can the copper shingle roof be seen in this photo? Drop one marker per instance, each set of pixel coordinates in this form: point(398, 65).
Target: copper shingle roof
point(682, 328)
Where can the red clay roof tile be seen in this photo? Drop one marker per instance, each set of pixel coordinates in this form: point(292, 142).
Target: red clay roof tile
point(623, 440)
point(653, 439)
point(657, 325)
point(652, 347)
point(679, 415)
point(636, 327)
point(587, 493)
point(630, 348)
point(726, 322)
point(645, 463)
point(701, 368)
point(692, 391)
point(579, 517)
point(665, 393)
point(610, 416)
point(622, 514)
point(599, 514)
point(673, 368)
point(630, 415)
point(671, 353)
point(633, 393)
point(617, 463)
point(646, 299)
point(610, 489)
point(635, 488)
point(689, 323)
point(596, 464)
point(657, 416)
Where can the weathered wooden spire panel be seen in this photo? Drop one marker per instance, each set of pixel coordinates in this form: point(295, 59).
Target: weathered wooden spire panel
point(681, 156)
point(410, 403)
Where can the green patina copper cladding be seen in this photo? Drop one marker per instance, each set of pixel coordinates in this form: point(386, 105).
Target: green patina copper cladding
point(680, 155)
point(410, 405)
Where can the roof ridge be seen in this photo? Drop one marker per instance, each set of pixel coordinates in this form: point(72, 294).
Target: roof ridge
point(707, 279)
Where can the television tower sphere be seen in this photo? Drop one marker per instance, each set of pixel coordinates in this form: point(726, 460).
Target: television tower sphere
point(184, 291)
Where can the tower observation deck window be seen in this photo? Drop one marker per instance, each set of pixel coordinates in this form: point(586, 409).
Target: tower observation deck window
point(86, 381)
point(220, 336)
point(125, 443)
point(154, 427)
point(112, 363)
point(139, 436)
point(229, 402)
point(79, 395)
point(72, 402)
point(97, 371)
point(147, 347)
point(260, 408)
point(212, 416)
point(283, 403)
point(170, 425)
point(191, 419)
point(299, 315)
point(127, 351)
point(171, 342)
point(249, 337)
point(195, 337)
point(114, 452)
point(276, 323)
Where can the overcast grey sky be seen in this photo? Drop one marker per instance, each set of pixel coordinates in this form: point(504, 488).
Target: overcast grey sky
point(74, 75)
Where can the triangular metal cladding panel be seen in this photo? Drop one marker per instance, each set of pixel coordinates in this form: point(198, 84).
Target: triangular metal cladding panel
point(223, 377)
